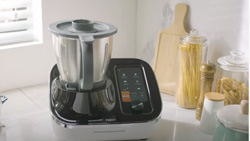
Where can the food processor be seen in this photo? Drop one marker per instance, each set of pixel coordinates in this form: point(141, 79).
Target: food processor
point(94, 97)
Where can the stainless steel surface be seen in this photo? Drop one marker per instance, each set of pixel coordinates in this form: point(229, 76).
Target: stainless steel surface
point(90, 104)
point(95, 102)
point(69, 59)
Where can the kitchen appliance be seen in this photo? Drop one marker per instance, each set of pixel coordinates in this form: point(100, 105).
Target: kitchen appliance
point(93, 97)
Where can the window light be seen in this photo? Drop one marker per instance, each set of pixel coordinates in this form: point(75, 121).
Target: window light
point(20, 22)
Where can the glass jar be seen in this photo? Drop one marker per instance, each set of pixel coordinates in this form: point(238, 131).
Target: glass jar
point(233, 77)
point(192, 52)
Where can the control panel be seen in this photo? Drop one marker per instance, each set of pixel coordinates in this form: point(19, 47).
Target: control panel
point(134, 94)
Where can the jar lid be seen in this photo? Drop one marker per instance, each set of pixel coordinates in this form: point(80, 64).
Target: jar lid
point(82, 27)
point(236, 61)
point(193, 37)
point(231, 117)
point(213, 96)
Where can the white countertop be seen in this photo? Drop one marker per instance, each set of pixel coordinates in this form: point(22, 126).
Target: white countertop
point(27, 117)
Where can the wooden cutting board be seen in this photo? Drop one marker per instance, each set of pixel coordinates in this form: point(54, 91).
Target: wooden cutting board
point(166, 60)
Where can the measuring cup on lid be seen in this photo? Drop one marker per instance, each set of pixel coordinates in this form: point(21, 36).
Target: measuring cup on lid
point(2, 100)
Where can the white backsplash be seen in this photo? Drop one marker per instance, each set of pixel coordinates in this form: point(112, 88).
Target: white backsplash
point(224, 23)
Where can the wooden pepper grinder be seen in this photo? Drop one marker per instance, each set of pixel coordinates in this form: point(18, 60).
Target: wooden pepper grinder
point(207, 77)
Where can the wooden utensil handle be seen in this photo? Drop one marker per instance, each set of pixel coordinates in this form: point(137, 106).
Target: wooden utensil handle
point(180, 13)
point(165, 62)
point(179, 20)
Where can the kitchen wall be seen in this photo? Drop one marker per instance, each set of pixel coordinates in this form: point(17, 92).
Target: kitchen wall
point(223, 22)
point(25, 66)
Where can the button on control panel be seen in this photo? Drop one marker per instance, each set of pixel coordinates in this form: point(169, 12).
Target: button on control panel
point(126, 96)
point(133, 89)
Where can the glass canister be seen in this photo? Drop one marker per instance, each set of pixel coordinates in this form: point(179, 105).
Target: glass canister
point(233, 75)
point(192, 52)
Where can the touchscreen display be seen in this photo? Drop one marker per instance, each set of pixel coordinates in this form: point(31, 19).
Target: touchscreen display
point(132, 84)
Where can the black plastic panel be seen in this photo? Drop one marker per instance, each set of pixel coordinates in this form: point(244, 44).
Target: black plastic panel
point(151, 108)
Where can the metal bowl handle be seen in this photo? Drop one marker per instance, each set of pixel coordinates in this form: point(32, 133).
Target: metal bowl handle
point(87, 62)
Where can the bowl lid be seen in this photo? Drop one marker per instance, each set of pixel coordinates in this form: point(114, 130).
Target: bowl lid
point(82, 27)
point(231, 117)
point(236, 61)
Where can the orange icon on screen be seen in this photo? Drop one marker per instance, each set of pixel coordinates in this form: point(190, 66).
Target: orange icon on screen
point(126, 96)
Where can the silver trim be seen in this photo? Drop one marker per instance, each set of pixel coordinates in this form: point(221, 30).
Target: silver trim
point(71, 126)
point(146, 81)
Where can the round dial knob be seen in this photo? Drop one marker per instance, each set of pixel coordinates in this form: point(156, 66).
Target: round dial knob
point(137, 106)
